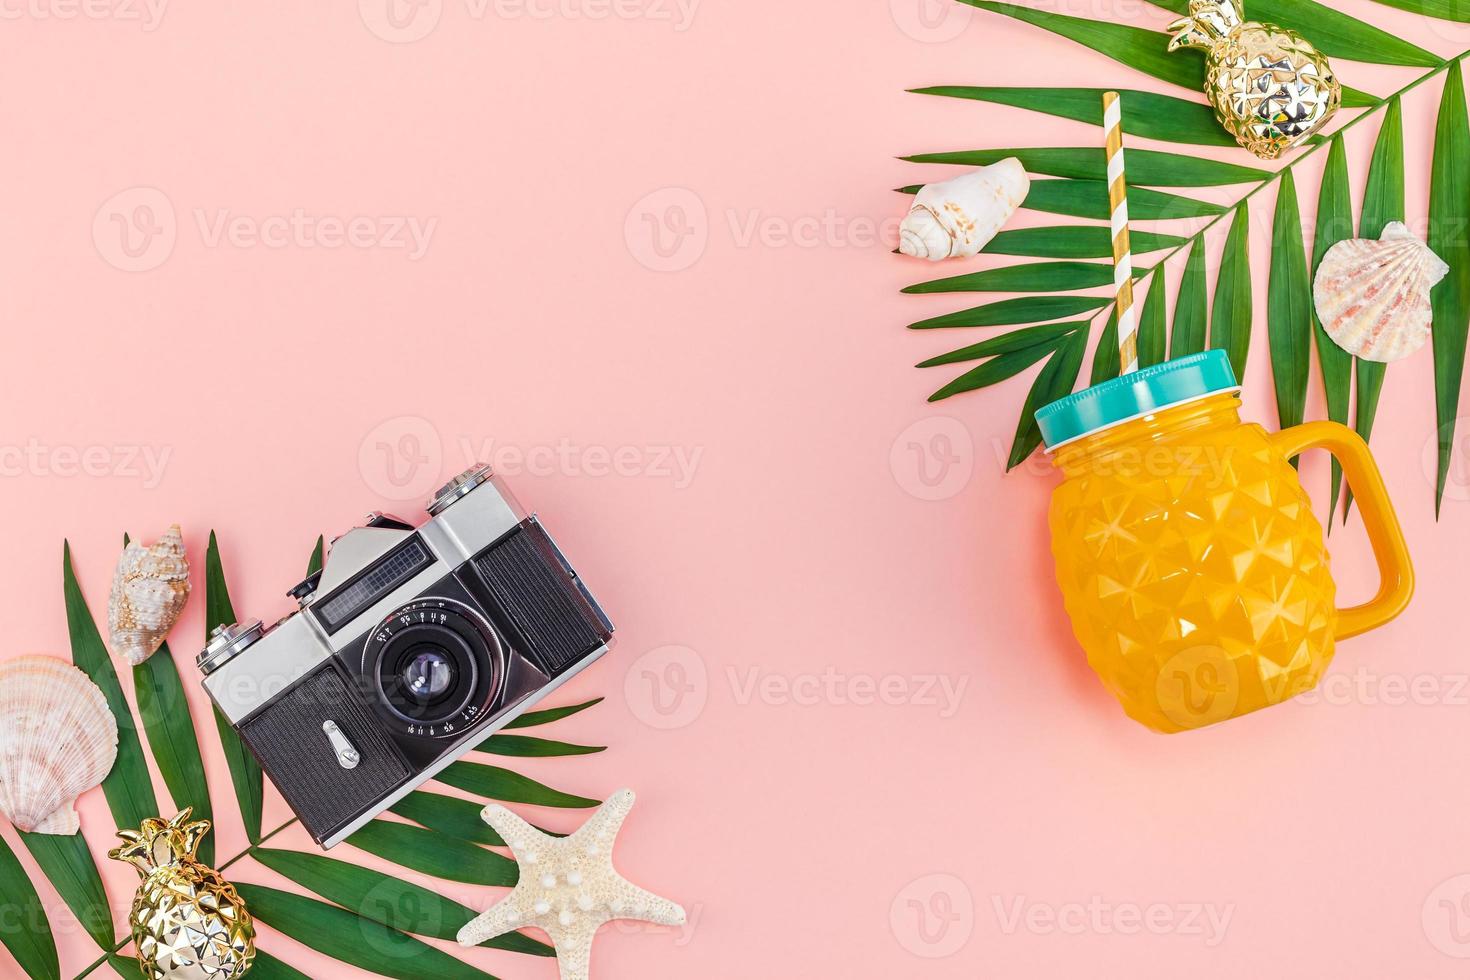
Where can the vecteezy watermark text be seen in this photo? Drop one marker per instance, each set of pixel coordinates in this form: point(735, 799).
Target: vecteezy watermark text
point(1099, 916)
point(676, 464)
point(840, 689)
point(136, 230)
point(122, 461)
point(146, 13)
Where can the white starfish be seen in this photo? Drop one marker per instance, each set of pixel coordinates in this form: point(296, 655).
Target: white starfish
point(568, 887)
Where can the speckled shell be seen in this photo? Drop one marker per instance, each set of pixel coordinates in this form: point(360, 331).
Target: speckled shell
point(959, 217)
point(1373, 296)
point(57, 740)
point(149, 590)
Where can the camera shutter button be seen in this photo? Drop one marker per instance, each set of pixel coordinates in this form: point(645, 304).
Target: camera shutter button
point(228, 642)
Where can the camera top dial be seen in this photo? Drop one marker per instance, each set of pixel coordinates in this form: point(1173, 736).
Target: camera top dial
point(435, 666)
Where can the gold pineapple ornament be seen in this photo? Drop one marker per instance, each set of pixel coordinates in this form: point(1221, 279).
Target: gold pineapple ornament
point(1271, 89)
point(188, 922)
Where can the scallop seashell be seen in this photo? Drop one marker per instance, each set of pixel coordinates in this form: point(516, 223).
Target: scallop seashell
point(1373, 296)
point(57, 740)
point(959, 217)
point(148, 593)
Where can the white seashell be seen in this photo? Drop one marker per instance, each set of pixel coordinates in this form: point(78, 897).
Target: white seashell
point(959, 217)
point(57, 740)
point(148, 593)
point(1373, 296)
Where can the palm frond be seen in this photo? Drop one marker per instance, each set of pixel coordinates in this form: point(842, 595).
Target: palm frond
point(1179, 118)
point(368, 920)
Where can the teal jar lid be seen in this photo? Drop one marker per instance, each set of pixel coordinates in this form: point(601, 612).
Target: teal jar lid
point(1135, 395)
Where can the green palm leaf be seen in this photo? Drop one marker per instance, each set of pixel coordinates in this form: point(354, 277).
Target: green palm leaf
point(1334, 33)
point(1106, 364)
point(127, 967)
point(1289, 308)
point(1334, 223)
point(1045, 335)
point(1151, 320)
point(1027, 309)
point(128, 787)
point(1144, 50)
point(27, 933)
point(495, 783)
point(1073, 242)
point(1089, 199)
point(1146, 168)
point(526, 747)
point(165, 713)
point(396, 904)
point(244, 770)
point(1187, 336)
point(547, 715)
point(1146, 114)
point(448, 815)
point(267, 967)
point(1383, 201)
point(1449, 214)
point(67, 863)
point(1230, 323)
point(998, 369)
point(1443, 9)
point(436, 854)
point(353, 939)
point(1038, 277)
point(1055, 380)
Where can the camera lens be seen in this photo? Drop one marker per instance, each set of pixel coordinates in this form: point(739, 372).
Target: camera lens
point(435, 666)
point(428, 676)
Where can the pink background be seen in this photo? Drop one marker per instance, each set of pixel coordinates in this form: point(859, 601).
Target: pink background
point(794, 567)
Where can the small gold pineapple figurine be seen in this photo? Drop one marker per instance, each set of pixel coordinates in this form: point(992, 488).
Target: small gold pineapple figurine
point(188, 922)
point(1270, 87)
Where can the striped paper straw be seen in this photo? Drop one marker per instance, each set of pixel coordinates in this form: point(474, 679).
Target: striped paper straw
point(1122, 251)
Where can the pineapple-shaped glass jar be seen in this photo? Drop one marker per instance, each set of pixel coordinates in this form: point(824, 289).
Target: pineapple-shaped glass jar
point(1271, 89)
point(189, 923)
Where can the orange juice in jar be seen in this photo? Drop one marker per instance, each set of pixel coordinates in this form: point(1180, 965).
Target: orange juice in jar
point(1192, 567)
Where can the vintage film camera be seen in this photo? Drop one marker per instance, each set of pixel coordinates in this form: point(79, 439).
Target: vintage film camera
point(411, 646)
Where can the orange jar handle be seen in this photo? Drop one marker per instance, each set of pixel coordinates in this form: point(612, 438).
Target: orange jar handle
point(1395, 571)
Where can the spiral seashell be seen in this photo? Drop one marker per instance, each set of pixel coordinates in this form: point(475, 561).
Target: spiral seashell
point(1373, 296)
point(149, 590)
point(959, 217)
point(58, 739)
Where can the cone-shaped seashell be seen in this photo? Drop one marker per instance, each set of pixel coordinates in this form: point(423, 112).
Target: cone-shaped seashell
point(148, 593)
point(1373, 296)
point(959, 217)
point(57, 740)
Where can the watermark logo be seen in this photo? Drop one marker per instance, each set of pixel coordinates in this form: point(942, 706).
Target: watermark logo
point(667, 687)
point(667, 230)
point(931, 21)
point(401, 21)
point(1198, 687)
point(933, 916)
point(1457, 471)
point(1446, 917)
point(934, 458)
point(135, 229)
point(401, 458)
